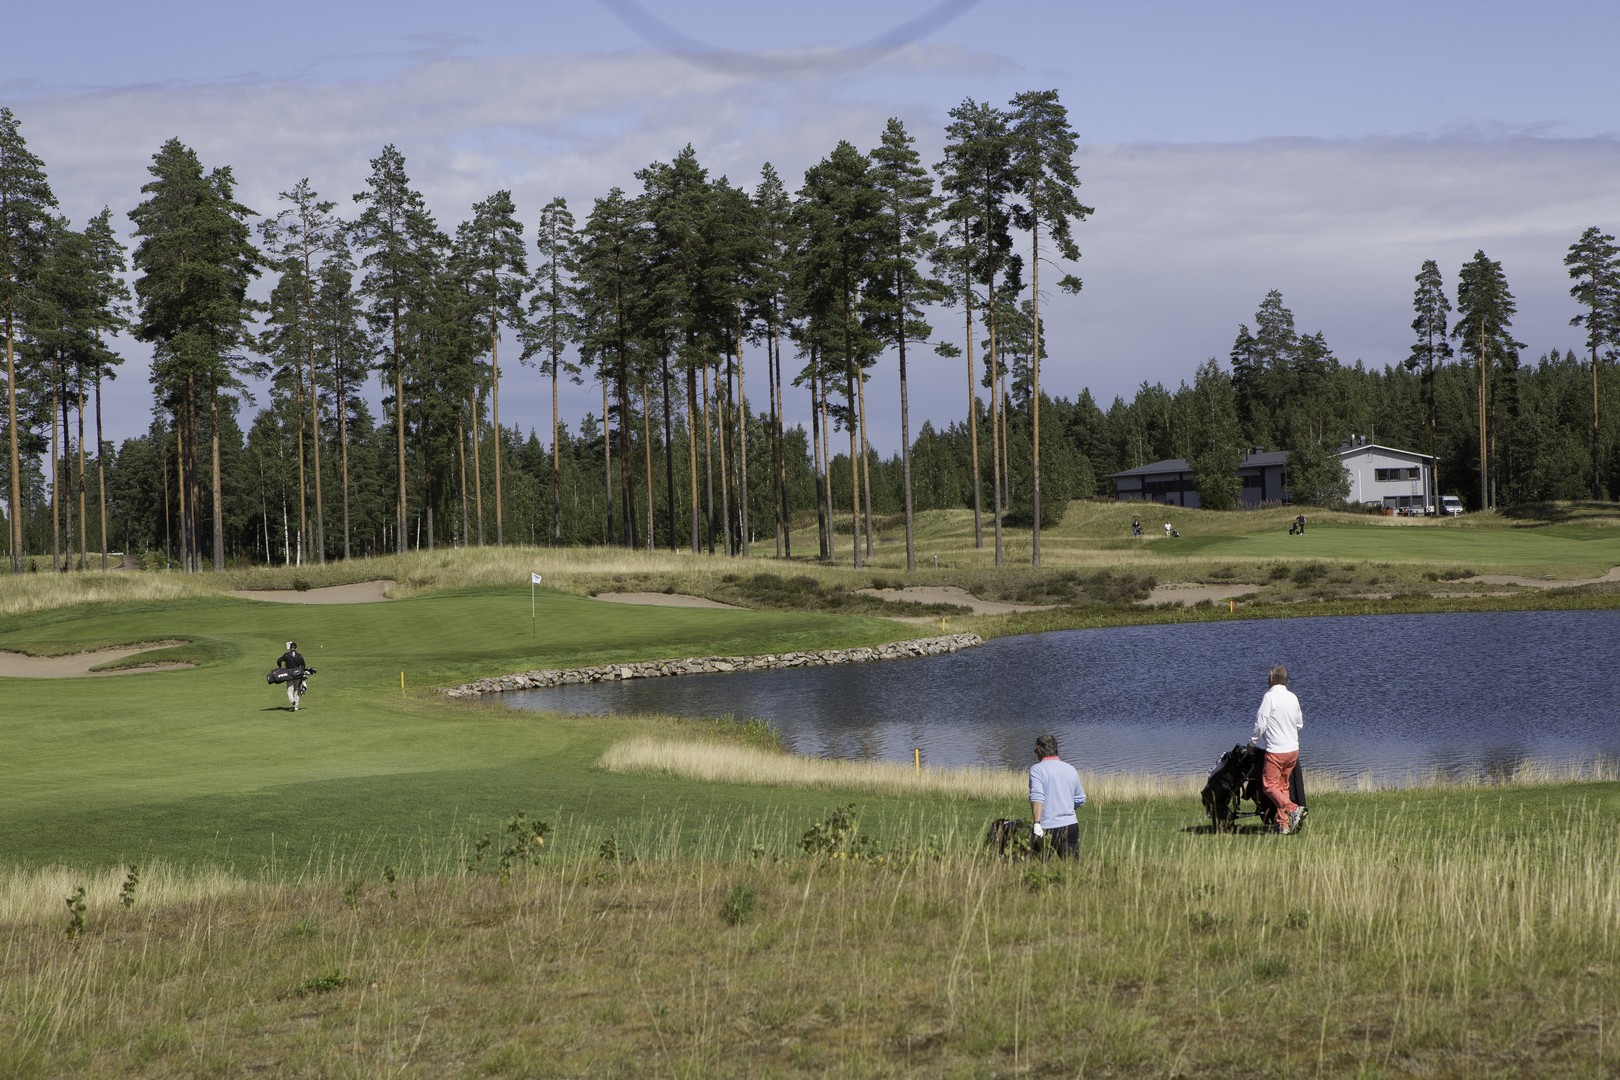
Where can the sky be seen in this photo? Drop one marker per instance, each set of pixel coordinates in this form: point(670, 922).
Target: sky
point(1325, 150)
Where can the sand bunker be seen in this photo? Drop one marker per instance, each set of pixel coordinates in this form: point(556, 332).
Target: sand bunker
point(1611, 578)
point(1187, 594)
point(363, 592)
point(950, 594)
point(77, 665)
point(658, 599)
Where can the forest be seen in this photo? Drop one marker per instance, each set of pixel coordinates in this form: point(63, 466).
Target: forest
point(666, 294)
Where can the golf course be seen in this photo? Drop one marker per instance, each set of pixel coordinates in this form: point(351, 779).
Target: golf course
point(196, 880)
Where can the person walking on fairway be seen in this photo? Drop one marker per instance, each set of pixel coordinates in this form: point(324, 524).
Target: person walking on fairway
point(1054, 795)
point(1276, 732)
point(293, 660)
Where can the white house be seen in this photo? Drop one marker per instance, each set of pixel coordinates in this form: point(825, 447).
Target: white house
point(1384, 476)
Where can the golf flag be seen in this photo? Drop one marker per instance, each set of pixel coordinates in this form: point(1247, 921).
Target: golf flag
point(534, 579)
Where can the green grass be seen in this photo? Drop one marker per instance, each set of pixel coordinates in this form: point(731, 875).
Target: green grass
point(207, 764)
point(305, 907)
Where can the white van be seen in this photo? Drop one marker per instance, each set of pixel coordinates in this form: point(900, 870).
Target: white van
point(1450, 505)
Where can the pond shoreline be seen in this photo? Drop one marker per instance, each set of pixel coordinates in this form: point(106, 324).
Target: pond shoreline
point(706, 665)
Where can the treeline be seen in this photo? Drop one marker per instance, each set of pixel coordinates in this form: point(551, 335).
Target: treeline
point(664, 298)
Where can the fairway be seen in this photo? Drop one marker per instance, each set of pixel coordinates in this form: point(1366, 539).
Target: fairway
point(207, 763)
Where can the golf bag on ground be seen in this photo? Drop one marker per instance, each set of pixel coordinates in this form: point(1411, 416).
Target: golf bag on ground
point(1236, 777)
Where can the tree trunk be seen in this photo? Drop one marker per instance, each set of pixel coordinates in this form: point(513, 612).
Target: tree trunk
point(669, 458)
point(996, 429)
point(691, 455)
point(101, 474)
point(973, 419)
point(217, 483)
point(495, 421)
point(478, 473)
point(708, 459)
point(1035, 382)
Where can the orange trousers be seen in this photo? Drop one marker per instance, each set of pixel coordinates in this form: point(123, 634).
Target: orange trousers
point(1275, 773)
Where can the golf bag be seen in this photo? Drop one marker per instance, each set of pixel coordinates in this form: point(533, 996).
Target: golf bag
point(278, 676)
point(1009, 838)
point(1236, 777)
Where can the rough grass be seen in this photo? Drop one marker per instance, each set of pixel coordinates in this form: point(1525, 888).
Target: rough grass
point(1423, 934)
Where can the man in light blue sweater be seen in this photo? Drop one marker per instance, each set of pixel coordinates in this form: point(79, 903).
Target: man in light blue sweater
point(1054, 795)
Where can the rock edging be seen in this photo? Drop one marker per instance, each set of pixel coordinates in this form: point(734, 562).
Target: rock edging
point(705, 665)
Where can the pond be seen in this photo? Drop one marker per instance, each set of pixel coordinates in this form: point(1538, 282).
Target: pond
point(1387, 696)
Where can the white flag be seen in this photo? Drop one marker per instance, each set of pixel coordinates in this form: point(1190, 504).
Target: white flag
point(534, 579)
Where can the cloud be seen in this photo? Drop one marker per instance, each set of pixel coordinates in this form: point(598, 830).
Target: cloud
point(1186, 240)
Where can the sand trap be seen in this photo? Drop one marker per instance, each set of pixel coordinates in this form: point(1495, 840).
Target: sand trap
point(363, 592)
point(1611, 578)
point(950, 594)
point(1187, 594)
point(658, 599)
point(77, 665)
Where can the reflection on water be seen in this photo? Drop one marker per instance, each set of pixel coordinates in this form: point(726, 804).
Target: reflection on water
point(1390, 695)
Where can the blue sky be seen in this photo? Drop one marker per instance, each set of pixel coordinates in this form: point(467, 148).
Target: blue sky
point(1229, 149)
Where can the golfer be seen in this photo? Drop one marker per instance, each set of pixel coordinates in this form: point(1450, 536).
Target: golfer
point(293, 660)
point(1054, 795)
point(1276, 732)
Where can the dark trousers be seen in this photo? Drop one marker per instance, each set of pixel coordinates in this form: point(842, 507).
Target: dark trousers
point(1062, 842)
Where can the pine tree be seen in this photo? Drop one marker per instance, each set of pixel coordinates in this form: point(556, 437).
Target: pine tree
point(773, 216)
point(978, 180)
point(1429, 352)
point(492, 246)
point(393, 236)
point(554, 324)
point(26, 203)
point(839, 208)
point(297, 239)
point(196, 261)
point(1594, 265)
point(902, 287)
point(1485, 310)
point(1043, 149)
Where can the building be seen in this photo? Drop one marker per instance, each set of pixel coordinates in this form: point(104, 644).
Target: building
point(1263, 474)
point(1379, 476)
point(1399, 480)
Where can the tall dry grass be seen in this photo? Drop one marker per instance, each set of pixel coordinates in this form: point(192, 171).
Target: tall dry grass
point(718, 762)
point(1473, 937)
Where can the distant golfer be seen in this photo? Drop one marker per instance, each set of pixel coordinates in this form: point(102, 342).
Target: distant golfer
point(1276, 732)
point(1054, 795)
point(293, 660)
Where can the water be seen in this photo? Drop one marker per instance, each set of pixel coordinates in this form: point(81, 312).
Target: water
point(1388, 696)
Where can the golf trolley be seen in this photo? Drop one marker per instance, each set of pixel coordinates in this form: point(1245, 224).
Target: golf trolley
point(1236, 777)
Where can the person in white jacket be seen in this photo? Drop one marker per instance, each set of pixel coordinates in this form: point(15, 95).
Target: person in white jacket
point(1276, 732)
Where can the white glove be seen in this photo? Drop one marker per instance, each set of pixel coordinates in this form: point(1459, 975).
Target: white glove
point(1038, 831)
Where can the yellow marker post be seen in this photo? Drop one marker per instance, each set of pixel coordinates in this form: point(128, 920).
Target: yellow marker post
point(402, 682)
point(1231, 605)
point(916, 758)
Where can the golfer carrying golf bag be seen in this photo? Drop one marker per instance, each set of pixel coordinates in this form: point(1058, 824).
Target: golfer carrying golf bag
point(292, 661)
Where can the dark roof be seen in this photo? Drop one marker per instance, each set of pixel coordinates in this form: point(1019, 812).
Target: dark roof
point(1254, 459)
point(1170, 465)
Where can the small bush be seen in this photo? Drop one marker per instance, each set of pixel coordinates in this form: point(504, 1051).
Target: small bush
point(738, 906)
